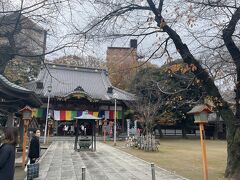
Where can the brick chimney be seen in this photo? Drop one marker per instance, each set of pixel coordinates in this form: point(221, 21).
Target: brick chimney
point(121, 63)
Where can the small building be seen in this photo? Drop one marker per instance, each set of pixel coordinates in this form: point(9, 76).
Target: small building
point(77, 89)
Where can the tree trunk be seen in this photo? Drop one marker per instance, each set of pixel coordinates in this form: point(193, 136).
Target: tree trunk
point(160, 132)
point(158, 127)
point(235, 54)
point(233, 134)
point(6, 54)
point(3, 63)
point(233, 159)
point(216, 127)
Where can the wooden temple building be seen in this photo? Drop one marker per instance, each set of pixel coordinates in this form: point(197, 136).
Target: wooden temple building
point(12, 99)
point(72, 90)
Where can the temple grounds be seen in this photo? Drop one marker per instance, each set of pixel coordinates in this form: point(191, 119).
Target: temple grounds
point(61, 162)
point(178, 156)
point(184, 157)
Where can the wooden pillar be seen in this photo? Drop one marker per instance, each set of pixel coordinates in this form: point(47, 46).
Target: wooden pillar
point(48, 129)
point(123, 118)
point(95, 136)
point(92, 134)
point(76, 135)
point(204, 156)
point(10, 120)
point(21, 132)
point(24, 143)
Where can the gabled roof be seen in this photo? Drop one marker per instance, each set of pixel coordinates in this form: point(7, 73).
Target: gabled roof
point(66, 80)
point(199, 108)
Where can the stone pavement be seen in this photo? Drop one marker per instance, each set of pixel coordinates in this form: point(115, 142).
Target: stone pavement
point(61, 162)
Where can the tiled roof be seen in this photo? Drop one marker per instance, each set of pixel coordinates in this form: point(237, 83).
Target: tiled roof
point(28, 96)
point(199, 108)
point(65, 79)
point(12, 85)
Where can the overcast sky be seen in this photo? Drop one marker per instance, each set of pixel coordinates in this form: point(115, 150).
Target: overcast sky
point(66, 19)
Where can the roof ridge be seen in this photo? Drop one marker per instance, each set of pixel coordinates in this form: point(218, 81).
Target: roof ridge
point(104, 80)
point(123, 91)
point(73, 67)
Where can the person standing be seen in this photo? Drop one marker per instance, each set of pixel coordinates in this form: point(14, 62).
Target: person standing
point(7, 154)
point(34, 149)
point(65, 129)
point(82, 130)
point(72, 130)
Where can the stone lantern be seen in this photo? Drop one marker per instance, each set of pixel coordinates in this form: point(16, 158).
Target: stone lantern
point(26, 117)
point(200, 113)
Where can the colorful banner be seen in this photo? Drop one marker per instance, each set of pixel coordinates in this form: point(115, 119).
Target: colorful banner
point(39, 112)
point(90, 112)
point(101, 114)
point(73, 114)
point(79, 113)
point(57, 115)
point(70, 115)
point(95, 114)
point(111, 114)
point(60, 115)
point(119, 114)
point(106, 114)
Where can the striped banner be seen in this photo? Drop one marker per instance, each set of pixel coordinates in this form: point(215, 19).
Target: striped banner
point(101, 114)
point(119, 114)
point(111, 114)
point(70, 115)
point(79, 113)
point(57, 115)
point(60, 115)
point(74, 114)
point(39, 112)
point(95, 114)
point(106, 114)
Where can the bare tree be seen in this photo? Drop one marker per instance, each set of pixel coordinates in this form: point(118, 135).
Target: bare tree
point(160, 25)
point(24, 26)
point(147, 106)
point(162, 21)
point(83, 61)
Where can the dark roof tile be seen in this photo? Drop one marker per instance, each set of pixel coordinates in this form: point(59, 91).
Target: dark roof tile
point(65, 79)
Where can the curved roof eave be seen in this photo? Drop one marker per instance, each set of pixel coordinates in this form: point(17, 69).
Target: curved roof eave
point(33, 99)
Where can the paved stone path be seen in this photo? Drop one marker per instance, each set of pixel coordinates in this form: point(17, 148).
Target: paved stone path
point(61, 162)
